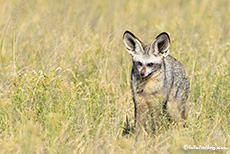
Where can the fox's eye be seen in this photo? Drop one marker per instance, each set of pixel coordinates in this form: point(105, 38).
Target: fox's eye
point(150, 64)
point(139, 63)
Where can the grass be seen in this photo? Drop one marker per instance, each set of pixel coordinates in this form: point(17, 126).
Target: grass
point(65, 74)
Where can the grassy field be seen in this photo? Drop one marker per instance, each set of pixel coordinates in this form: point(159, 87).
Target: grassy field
point(65, 74)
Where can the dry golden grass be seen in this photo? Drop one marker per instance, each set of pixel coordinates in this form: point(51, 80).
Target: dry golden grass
point(65, 74)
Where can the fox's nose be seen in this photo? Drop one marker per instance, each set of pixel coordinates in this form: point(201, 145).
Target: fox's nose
point(142, 72)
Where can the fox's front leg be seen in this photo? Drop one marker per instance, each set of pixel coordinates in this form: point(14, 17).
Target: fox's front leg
point(141, 115)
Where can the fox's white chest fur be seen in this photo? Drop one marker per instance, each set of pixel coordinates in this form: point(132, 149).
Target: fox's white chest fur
point(152, 90)
point(154, 86)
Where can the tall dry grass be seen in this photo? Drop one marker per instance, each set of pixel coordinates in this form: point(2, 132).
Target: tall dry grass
point(65, 74)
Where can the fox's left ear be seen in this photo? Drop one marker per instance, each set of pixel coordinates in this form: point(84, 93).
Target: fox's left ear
point(160, 46)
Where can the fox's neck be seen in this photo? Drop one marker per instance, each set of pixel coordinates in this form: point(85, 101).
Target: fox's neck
point(157, 76)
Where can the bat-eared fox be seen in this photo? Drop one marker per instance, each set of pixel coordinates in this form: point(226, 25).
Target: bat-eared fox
point(158, 82)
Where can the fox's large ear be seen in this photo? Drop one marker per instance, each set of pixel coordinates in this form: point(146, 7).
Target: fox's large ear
point(160, 46)
point(132, 43)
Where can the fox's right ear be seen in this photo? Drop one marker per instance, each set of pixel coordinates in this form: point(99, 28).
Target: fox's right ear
point(132, 43)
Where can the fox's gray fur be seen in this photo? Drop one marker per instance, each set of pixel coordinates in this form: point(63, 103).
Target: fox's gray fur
point(158, 81)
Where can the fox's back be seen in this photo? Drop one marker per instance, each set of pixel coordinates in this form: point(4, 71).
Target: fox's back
point(176, 77)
